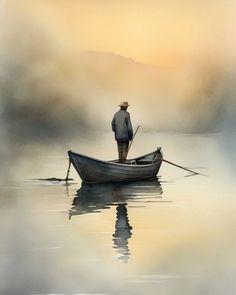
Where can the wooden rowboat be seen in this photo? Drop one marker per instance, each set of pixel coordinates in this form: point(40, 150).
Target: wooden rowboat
point(96, 171)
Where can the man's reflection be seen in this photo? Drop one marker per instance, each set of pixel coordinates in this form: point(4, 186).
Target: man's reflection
point(94, 198)
point(122, 232)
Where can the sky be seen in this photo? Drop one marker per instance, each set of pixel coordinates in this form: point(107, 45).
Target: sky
point(161, 33)
point(64, 62)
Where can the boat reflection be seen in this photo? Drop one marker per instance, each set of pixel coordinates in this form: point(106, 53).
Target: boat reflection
point(93, 198)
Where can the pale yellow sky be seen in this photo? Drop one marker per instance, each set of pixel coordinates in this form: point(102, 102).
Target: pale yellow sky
point(162, 33)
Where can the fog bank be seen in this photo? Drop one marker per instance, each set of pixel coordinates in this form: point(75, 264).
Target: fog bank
point(52, 87)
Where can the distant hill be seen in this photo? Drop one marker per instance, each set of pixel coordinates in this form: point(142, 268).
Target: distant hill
point(182, 98)
point(122, 76)
point(57, 93)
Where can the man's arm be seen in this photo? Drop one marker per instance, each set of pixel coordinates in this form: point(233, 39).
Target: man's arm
point(113, 125)
point(130, 128)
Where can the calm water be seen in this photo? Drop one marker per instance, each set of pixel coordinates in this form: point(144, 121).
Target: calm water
point(175, 235)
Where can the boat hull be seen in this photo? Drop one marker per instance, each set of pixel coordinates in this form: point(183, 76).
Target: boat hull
point(97, 171)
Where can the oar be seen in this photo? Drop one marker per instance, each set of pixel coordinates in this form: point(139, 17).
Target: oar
point(133, 139)
point(180, 167)
point(68, 172)
point(58, 179)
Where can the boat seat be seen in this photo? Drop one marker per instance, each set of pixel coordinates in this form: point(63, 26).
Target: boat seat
point(143, 162)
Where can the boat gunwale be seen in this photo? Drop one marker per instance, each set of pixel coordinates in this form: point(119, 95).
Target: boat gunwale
point(121, 164)
point(120, 181)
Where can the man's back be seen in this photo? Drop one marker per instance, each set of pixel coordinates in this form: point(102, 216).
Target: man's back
point(121, 125)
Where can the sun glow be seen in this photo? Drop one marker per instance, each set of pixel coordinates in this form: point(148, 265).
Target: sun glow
point(152, 32)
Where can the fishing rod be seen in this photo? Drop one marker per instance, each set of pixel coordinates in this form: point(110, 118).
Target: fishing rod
point(133, 138)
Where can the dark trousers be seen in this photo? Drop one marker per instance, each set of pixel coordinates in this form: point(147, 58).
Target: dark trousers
point(122, 150)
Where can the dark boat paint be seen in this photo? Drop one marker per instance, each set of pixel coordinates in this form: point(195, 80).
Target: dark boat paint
point(95, 171)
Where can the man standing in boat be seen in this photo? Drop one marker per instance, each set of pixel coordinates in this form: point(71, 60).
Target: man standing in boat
point(122, 127)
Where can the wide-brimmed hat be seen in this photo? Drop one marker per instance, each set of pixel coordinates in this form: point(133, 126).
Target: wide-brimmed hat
point(124, 104)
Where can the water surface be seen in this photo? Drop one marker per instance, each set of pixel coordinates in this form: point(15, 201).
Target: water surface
point(174, 235)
